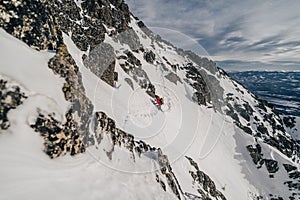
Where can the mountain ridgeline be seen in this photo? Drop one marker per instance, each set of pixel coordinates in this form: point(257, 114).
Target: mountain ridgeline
point(112, 40)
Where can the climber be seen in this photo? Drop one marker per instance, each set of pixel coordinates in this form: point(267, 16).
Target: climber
point(159, 101)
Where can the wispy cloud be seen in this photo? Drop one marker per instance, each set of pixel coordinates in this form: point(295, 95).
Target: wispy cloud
point(253, 30)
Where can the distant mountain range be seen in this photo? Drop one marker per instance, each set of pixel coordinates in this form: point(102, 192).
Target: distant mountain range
point(238, 65)
point(279, 88)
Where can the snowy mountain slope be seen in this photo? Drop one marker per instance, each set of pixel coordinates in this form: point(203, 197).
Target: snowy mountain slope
point(213, 139)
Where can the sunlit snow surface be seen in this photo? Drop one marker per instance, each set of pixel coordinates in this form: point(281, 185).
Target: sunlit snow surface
point(183, 128)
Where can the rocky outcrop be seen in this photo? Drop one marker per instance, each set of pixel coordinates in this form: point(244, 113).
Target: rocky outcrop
point(255, 120)
point(289, 121)
point(129, 82)
point(101, 61)
point(130, 38)
point(273, 167)
point(206, 187)
point(64, 65)
point(294, 179)
point(149, 56)
point(72, 135)
point(195, 79)
point(41, 24)
point(174, 78)
point(106, 126)
point(30, 21)
point(256, 154)
point(59, 138)
point(258, 159)
point(11, 97)
point(133, 67)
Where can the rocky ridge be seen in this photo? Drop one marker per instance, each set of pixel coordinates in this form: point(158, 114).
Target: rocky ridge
point(40, 25)
point(11, 96)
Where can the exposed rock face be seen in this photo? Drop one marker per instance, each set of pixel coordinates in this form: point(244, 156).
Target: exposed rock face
point(294, 182)
point(195, 79)
point(243, 113)
point(11, 97)
point(256, 154)
point(60, 139)
point(71, 136)
point(105, 125)
point(130, 38)
point(133, 67)
point(166, 170)
point(206, 187)
point(101, 61)
point(64, 65)
point(40, 25)
point(173, 78)
point(289, 121)
point(149, 56)
point(31, 21)
point(273, 167)
point(130, 83)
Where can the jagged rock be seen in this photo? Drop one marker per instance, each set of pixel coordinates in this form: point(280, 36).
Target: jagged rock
point(293, 172)
point(195, 79)
point(60, 139)
point(117, 18)
point(31, 21)
point(109, 75)
point(203, 62)
point(130, 83)
point(133, 68)
point(105, 125)
point(132, 59)
point(40, 24)
point(174, 78)
point(286, 146)
point(141, 24)
point(271, 165)
point(295, 175)
point(205, 183)
point(149, 56)
point(151, 90)
point(162, 184)
point(277, 198)
point(199, 98)
point(262, 129)
point(64, 65)
point(11, 97)
point(243, 112)
point(289, 167)
point(289, 121)
point(73, 135)
point(231, 112)
point(101, 61)
point(256, 154)
point(282, 141)
point(293, 186)
point(129, 37)
point(246, 129)
point(192, 196)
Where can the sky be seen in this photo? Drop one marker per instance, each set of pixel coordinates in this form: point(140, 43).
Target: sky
point(253, 31)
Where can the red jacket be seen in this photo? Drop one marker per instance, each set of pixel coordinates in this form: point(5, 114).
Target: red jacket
point(158, 100)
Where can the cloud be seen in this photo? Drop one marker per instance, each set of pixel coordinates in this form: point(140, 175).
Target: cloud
point(253, 30)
